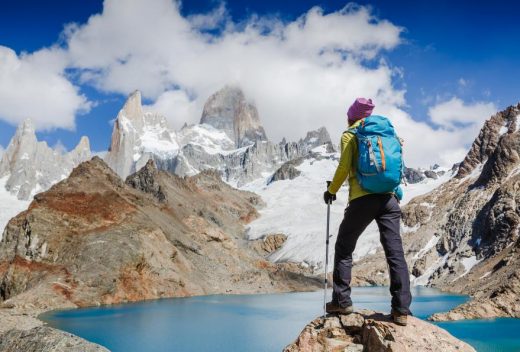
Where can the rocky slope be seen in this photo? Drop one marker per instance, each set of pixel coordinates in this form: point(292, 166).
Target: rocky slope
point(31, 166)
point(464, 236)
point(94, 239)
point(370, 331)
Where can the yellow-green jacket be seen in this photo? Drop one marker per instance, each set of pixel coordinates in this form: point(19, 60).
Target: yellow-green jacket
point(347, 166)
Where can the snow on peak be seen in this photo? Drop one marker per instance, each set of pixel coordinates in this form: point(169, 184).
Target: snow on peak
point(138, 136)
point(31, 166)
point(210, 139)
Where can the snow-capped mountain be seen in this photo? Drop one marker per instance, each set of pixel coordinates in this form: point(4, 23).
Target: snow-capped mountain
point(229, 139)
point(29, 166)
point(138, 136)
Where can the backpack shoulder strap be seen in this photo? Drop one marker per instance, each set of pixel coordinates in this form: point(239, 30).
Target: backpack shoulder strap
point(352, 130)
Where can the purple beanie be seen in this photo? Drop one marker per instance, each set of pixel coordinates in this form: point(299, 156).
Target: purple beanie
point(361, 108)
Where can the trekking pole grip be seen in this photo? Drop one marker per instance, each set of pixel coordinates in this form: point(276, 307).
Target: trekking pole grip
point(328, 184)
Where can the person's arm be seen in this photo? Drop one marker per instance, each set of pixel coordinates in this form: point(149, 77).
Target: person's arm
point(345, 162)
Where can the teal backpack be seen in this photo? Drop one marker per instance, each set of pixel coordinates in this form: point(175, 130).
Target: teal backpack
point(380, 164)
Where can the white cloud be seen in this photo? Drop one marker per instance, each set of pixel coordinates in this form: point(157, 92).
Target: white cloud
point(33, 86)
point(2, 150)
point(301, 74)
point(455, 113)
point(177, 107)
point(459, 123)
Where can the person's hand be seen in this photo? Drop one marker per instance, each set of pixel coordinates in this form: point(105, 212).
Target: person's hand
point(328, 197)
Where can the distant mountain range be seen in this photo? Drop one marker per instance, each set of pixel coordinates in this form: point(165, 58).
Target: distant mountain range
point(229, 139)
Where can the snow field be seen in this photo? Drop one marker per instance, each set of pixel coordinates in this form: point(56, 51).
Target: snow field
point(296, 209)
point(10, 206)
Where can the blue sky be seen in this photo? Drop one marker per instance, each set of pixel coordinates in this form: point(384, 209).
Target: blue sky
point(462, 52)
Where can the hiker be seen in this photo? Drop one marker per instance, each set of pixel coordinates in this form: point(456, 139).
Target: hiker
point(369, 204)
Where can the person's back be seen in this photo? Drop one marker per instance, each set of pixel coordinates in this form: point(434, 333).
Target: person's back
point(365, 206)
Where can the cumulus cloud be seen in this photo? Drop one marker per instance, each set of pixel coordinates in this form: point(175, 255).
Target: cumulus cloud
point(459, 124)
point(177, 106)
point(34, 86)
point(454, 113)
point(301, 74)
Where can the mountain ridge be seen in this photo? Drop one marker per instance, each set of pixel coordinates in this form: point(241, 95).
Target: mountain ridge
point(31, 165)
point(95, 239)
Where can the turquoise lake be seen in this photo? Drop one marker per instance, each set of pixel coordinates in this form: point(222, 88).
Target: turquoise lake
point(254, 323)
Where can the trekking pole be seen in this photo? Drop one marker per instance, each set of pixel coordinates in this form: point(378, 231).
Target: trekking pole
point(327, 236)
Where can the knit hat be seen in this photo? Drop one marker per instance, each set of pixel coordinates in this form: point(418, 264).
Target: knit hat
point(361, 108)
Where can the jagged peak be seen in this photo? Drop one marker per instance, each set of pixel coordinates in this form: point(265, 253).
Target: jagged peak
point(231, 89)
point(322, 132)
point(95, 167)
point(229, 110)
point(150, 168)
point(84, 143)
point(133, 107)
point(145, 180)
point(26, 128)
point(488, 138)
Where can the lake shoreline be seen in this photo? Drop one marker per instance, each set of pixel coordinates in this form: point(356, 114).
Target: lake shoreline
point(269, 309)
point(28, 318)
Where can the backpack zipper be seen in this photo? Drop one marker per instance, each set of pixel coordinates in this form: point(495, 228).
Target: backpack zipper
point(383, 161)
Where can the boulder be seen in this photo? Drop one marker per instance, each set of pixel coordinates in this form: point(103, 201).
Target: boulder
point(367, 330)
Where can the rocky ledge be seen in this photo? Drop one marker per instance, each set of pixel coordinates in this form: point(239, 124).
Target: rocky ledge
point(367, 330)
point(22, 331)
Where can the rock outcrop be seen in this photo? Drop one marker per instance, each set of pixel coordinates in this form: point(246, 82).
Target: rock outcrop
point(45, 339)
point(22, 331)
point(412, 175)
point(93, 239)
point(229, 111)
point(146, 181)
point(486, 142)
point(370, 331)
point(269, 243)
point(288, 170)
point(464, 236)
point(316, 138)
point(31, 166)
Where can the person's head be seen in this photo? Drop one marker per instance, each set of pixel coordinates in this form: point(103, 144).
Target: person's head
point(360, 109)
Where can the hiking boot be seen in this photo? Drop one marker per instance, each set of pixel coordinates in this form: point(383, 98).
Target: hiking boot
point(399, 318)
point(334, 308)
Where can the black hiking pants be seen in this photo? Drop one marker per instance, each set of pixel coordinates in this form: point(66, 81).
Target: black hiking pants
point(385, 210)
